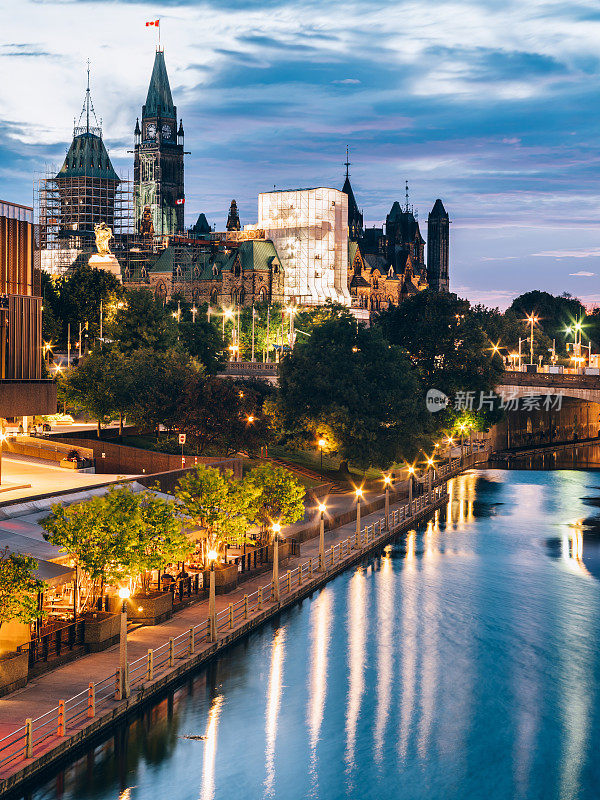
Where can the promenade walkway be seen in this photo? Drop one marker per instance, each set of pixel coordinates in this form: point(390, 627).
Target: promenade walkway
point(22, 754)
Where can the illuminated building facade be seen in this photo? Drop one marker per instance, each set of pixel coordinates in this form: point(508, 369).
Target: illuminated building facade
point(309, 229)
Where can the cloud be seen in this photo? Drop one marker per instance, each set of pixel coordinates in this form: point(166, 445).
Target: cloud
point(582, 274)
point(592, 252)
point(485, 105)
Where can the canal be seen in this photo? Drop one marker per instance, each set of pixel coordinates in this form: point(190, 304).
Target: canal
point(462, 662)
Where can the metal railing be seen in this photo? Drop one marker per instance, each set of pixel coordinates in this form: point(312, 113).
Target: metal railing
point(37, 735)
point(55, 642)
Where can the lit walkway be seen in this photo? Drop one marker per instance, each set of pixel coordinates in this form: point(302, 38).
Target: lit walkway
point(44, 692)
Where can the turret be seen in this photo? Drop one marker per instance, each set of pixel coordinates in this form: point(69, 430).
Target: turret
point(180, 133)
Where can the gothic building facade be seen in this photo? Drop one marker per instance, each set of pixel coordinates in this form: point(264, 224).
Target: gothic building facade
point(388, 264)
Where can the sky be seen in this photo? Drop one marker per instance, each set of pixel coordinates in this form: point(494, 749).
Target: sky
point(491, 106)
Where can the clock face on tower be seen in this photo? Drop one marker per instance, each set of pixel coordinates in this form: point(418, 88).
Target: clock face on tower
point(166, 131)
point(151, 131)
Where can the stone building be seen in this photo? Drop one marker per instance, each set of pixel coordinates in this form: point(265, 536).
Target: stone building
point(223, 274)
point(438, 247)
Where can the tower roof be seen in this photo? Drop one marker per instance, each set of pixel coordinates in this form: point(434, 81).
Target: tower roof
point(438, 209)
point(159, 101)
point(87, 157)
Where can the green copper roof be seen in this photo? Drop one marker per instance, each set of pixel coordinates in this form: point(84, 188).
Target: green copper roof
point(159, 101)
point(253, 254)
point(87, 157)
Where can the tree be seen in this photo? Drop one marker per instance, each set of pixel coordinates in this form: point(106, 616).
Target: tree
point(101, 385)
point(203, 341)
point(158, 380)
point(93, 535)
point(279, 496)
point(19, 588)
point(154, 532)
point(143, 324)
point(348, 379)
point(223, 414)
point(218, 505)
point(447, 345)
point(80, 292)
point(555, 314)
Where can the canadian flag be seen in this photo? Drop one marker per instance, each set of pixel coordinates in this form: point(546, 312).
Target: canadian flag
point(154, 23)
point(180, 201)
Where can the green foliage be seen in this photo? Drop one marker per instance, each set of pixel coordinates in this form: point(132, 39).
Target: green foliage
point(347, 379)
point(155, 533)
point(447, 345)
point(279, 496)
point(555, 314)
point(222, 412)
point(217, 504)
point(143, 323)
point(18, 587)
point(93, 535)
point(158, 380)
point(101, 385)
point(203, 341)
point(80, 292)
point(120, 536)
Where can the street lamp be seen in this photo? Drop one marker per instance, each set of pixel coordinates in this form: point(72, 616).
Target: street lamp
point(212, 556)
point(322, 509)
point(227, 314)
point(430, 475)
point(250, 419)
point(124, 595)
point(387, 480)
point(531, 319)
point(276, 528)
point(359, 493)
point(411, 472)
point(322, 443)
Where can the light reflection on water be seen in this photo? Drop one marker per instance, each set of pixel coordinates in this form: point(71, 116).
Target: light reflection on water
point(460, 662)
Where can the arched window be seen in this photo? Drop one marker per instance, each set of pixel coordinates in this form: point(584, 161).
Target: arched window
point(242, 296)
point(262, 295)
point(237, 267)
point(214, 297)
point(234, 296)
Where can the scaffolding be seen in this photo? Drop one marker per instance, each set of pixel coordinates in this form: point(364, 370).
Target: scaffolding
point(309, 228)
point(67, 208)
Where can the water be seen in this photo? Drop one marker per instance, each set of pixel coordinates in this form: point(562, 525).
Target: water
point(460, 663)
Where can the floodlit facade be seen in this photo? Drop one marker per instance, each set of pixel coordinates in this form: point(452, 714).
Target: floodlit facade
point(309, 228)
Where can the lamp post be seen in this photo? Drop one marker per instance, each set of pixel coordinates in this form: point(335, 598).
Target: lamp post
point(430, 477)
point(194, 311)
point(124, 595)
point(359, 494)
point(531, 319)
point(322, 509)
point(387, 480)
point(411, 472)
point(276, 528)
point(322, 444)
point(212, 614)
point(253, 315)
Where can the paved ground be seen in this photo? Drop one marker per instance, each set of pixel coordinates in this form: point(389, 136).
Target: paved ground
point(42, 477)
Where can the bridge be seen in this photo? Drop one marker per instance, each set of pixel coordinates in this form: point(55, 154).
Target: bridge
point(524, 384)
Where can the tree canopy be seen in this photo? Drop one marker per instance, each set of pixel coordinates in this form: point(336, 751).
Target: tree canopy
point(18, 587)
point(143, 323)
point(350, 381)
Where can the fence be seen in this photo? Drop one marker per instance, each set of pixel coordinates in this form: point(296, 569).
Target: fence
point(55, 642)
point(34, 737)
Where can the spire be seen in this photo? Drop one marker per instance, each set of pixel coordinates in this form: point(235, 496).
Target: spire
point(438, 211)
point(159, 102)
point(406, 208)
point(347, 163)
point(88, 108)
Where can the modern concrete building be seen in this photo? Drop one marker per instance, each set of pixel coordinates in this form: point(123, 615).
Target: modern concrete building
point(23, 390)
